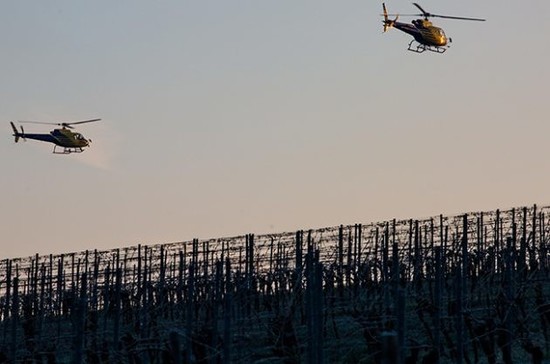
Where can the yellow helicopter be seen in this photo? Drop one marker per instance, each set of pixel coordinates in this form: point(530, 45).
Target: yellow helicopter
point(427, 37)
point(68, 140)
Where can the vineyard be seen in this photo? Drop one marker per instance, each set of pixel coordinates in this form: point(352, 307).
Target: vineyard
point(469, 288)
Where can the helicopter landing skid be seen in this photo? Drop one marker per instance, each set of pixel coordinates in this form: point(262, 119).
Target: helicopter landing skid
point(67, 150)
point(416, 47)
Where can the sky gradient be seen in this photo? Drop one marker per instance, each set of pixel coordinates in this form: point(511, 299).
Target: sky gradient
point(221, 118)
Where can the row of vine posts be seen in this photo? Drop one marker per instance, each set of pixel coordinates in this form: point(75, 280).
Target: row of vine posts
point(471, 288)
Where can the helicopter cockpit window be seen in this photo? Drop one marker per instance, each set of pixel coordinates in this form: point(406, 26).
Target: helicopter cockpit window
point(78, 136)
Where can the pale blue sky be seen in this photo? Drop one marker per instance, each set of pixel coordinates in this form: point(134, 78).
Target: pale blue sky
point(222, 118)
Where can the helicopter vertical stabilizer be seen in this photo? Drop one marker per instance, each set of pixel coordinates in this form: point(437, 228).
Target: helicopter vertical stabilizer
point(387, 22)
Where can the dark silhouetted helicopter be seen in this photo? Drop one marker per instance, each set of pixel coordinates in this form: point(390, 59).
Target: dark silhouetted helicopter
point(427, 36)
point(68, 140)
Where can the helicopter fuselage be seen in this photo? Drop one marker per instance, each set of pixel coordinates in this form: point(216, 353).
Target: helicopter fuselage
point(62, 137)
point(68, 139)
point(423, 32)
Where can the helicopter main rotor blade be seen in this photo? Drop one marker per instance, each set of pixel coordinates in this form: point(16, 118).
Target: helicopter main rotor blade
point(70, 124)
point(64, 124)
point(36, 122)
point(427, 15)
point(424, 12)
point(395, 14)
point(455, 17)
point(81, 122)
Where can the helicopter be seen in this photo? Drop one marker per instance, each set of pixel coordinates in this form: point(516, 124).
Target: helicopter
point(65, 140)
point(427, 37)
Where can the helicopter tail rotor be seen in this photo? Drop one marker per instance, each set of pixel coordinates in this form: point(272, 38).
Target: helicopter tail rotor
point(16, 133)
point(387, 22)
